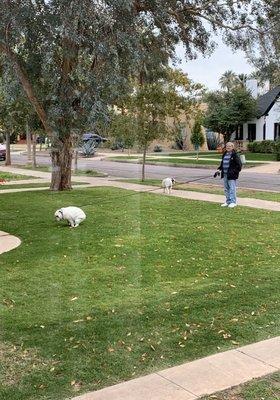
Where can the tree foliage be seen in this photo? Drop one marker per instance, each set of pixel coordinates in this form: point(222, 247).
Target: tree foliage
point(230, 80)
point(227, 110)
point(74, 59)
point(264, 50)
point(153, 109)
point(197, 136)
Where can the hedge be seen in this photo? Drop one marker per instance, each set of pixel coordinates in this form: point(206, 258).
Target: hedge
point(266, 146)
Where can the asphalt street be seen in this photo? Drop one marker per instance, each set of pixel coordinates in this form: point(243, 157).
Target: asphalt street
point(125, 170)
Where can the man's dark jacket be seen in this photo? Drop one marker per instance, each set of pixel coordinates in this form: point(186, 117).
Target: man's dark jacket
point(234, 168)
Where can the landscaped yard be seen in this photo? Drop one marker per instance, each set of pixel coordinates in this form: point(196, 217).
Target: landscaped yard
point(211, 158)
point(255, 194)
point(144, 283)
point(213, 154)
point(7, 176)
point(266, 388)
point(31, 185)
point(80, 172)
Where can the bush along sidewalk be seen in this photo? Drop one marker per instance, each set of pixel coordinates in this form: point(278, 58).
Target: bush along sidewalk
point(266, 146)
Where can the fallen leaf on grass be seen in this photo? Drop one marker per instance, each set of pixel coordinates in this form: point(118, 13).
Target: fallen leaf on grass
point(76, 385)
point(111, 350)
point(226, 335)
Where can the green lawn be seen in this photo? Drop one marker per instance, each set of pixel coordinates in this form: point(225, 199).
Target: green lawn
point(213, 154)
point(188, 154)
point(266, 388)
point(188, 161)
point(43, 168)
point(46, 168)
point(256, 194)
point(7, 176)
point(178, 160)
point(90, 172)
point(144, 283)
point(32, 185)
point(165, 160)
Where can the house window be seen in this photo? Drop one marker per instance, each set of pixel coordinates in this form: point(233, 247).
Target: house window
point(252, 129)
point(239, 133)
point(276, 131)
point(264, 131)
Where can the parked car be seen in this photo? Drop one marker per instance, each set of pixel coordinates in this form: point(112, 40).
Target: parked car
point(2, 152)
point(40, 140)
point(93, 136)
point(89, 143)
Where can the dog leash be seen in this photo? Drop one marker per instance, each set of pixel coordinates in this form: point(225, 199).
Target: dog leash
point(146, 191)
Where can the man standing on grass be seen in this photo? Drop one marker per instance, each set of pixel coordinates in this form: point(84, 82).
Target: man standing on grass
point(230, 167)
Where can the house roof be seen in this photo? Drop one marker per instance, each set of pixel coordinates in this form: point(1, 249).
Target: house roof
point(266, 101)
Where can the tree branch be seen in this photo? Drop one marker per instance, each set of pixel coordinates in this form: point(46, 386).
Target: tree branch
point(22, 75)
point(229, 27)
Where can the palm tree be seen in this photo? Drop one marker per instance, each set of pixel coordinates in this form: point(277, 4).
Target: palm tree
point(228, 80)
point(242, 78)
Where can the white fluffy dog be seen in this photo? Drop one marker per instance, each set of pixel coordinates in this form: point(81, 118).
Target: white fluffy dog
point(167, 184)
point(74, 215)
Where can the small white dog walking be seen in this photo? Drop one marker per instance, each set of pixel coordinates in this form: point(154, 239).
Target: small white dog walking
point(74, 215)
point(167, 184)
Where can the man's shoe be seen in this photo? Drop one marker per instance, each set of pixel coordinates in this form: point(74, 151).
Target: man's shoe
point(224, 205)
point(232, 205)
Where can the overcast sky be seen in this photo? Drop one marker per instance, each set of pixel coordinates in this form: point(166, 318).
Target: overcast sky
point(208, 70)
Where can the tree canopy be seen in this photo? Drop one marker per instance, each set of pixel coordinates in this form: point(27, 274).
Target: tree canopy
point(227, 110)
point(74, 59)
point(264, 50)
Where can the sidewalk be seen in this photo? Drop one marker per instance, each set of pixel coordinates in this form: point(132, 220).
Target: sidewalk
point(190, 195)
point(200, 377)
point(269, 168)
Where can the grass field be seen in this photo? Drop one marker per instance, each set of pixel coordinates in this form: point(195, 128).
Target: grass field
point(204, 158)
point(173, 161)
point(46, 168)
point(7, 176)
point(255, 194)
point(31, 185)
point(249, 156)
point(146, 282)
point(266, 388)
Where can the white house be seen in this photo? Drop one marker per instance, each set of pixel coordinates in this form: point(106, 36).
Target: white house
point(267, 124)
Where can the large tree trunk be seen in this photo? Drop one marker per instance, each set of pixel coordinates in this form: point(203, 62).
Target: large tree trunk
point(144, 163)
point(61, 155)
point(8, 149)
